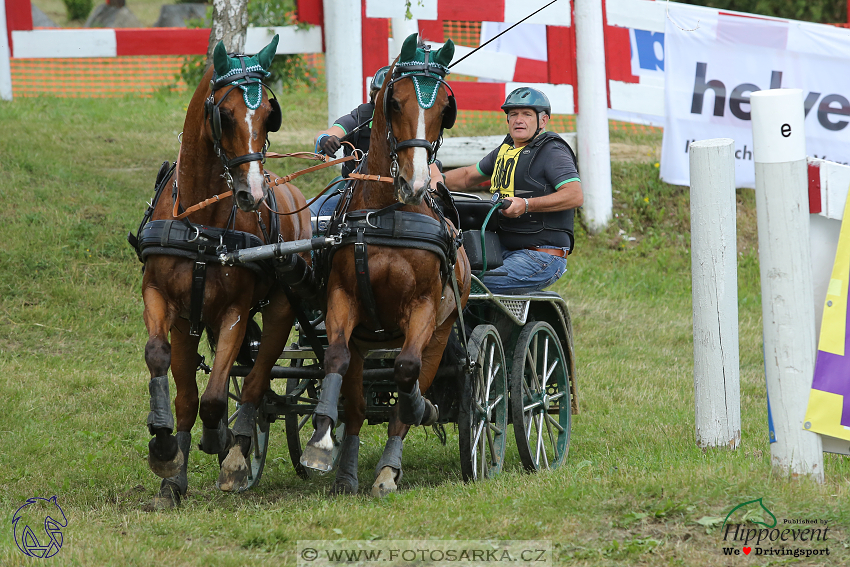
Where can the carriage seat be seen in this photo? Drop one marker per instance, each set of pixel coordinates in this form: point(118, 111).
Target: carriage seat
point(473, 211)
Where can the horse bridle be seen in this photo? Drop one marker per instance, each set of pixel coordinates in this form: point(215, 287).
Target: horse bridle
point(212, 113)
point(429, 70)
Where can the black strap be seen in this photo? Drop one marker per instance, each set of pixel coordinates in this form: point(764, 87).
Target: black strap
point(364, 285)
point(306, 325)
point(196, 303)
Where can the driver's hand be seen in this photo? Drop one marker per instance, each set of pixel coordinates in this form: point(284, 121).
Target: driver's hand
point(516, 208)
point(330, 145)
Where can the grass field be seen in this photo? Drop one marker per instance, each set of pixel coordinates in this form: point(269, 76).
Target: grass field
point(74, 178)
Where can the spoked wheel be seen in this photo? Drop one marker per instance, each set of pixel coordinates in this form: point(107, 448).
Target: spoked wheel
point(299, 427)
point(540, 398)
point(483, 419)
point(259, 436)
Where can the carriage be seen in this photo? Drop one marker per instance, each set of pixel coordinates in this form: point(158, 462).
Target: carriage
point(516, 368)
point(483, 361)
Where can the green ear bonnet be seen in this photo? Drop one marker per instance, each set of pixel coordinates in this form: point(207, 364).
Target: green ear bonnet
point(426, 68)
point(246, 73)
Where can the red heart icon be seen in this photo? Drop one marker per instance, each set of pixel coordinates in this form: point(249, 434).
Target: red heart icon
point(747, 550)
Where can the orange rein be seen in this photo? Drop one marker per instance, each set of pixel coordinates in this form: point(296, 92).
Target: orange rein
point(281, 180)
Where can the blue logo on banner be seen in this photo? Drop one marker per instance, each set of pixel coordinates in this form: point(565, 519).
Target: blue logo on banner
point(650, 48)
point(39, 512)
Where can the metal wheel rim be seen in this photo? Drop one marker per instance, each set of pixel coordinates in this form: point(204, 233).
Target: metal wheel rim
point(540, 398)
point(488, 407)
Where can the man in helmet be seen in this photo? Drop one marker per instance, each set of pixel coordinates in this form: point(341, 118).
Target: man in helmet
point(328, 141)
point(535, 171)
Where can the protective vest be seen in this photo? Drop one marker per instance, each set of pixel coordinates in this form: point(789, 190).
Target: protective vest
point(361, 138)
point(511, 178)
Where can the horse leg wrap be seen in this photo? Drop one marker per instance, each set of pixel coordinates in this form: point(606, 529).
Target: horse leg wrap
point(414, 409)
point(160, 416)
point(214, 441)
point(244, 424)
point(346, 476)
point(391, 456)
point(329, 397)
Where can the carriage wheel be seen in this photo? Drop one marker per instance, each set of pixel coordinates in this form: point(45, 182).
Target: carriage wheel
point(483, 419)
point(540, 398)
point(259, 437)
point(299, 428)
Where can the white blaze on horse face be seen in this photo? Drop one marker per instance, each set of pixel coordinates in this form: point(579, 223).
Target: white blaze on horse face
point(255, 176)
point(421, 171)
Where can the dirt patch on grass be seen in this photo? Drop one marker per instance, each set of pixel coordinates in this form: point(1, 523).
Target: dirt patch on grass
point(639, 153)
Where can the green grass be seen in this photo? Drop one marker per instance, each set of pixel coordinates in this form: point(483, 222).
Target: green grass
point(74, 177)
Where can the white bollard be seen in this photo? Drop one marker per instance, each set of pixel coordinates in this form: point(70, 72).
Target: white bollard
point(343, 57)
point(402, 28)
point(782, 206)
point(714, 272)
point(5, 54)
point(594, 150)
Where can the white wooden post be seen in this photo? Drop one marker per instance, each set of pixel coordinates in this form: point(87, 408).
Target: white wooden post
point(402, 28)
point(782, 207)
point(343, 57)
point(5, 54)
point(717, 384)
point(594, 152)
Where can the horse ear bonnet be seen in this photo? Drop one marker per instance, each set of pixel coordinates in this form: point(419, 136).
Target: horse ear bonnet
point(221, 62)
point(275, 116)
point(266, 54)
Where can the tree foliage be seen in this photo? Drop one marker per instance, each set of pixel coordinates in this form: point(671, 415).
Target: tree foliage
point(287, 71)
point(819, 11)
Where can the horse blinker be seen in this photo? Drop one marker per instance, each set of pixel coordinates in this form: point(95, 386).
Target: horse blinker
point(275, 118)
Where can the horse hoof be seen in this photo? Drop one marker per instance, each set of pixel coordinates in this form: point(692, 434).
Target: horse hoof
point(385, 483)
point(168, 498)
point(233, 476)
point(319, 460)
point(341, 487)
point(166, 469)
point(432, 414)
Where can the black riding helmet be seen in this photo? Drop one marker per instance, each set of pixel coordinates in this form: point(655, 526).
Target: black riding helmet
point(378, 79)
point(527, 97)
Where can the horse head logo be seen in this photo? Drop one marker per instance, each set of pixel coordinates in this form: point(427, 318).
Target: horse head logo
point(38, 511)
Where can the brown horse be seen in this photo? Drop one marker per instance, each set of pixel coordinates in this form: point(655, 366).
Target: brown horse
point(414, 297)
point(223, 147)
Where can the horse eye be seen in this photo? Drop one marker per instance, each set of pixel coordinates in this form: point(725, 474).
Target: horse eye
point(396, 106)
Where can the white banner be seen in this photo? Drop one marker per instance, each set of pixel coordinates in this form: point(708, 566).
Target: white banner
point(714, 61)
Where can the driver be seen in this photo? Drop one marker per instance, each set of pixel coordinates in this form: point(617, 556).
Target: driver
point(535, 171)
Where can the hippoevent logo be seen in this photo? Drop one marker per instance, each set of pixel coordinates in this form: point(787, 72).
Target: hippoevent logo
point(46, 539)
point(760, 533)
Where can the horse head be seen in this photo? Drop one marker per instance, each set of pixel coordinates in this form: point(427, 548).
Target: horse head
point(238, 126)
point(416, 106)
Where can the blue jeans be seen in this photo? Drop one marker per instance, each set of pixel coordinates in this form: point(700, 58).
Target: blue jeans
point(524, 271)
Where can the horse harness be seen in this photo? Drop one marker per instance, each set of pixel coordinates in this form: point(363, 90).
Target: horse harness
point(394, 228)
point(201, 243)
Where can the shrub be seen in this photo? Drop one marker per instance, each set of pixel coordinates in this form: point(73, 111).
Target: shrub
point(78, 9)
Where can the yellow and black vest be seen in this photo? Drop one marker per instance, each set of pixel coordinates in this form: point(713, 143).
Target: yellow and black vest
point(511, 178)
